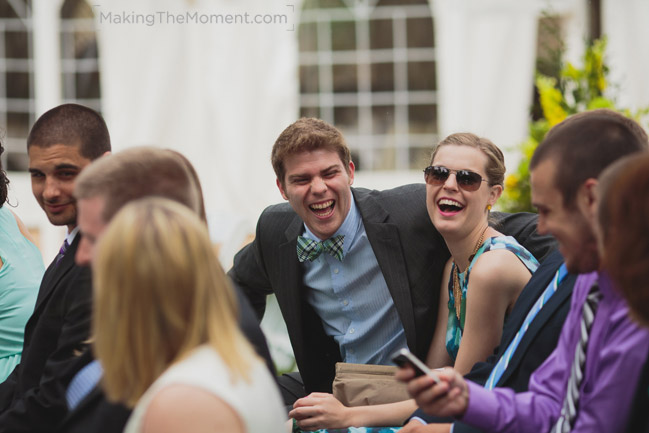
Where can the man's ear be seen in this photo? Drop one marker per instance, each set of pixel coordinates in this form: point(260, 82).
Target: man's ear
point(587, 198)
point(281, 189)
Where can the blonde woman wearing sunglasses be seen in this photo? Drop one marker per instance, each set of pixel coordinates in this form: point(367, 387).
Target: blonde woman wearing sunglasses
point(487, 270)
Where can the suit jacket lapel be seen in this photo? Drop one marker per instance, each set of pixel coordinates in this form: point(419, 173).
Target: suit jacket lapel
point(56, 271)
point(291, 279)
point(539, 321)
point(384, 239)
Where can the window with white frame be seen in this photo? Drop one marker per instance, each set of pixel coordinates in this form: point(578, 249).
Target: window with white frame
point(368, 67)
point(79, 70)
point(16, 81)
point(79, 55)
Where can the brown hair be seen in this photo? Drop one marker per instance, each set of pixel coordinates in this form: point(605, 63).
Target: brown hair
point(139, 172)
point(584, 144)
point(72, 125)
point(307, 134)
point(495, 169)
point(624, 222)
point(160, 292)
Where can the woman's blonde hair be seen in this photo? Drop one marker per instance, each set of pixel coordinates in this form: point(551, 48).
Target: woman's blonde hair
point(159, 293)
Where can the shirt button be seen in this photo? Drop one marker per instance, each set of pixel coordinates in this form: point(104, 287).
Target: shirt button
point(345, 302)
point(351, 331)
point(336, 271)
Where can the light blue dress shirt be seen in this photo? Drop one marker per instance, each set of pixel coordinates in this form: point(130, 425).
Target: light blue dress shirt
point(352, 298)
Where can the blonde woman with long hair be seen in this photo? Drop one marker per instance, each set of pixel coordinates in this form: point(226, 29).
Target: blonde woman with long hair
point(166, 329)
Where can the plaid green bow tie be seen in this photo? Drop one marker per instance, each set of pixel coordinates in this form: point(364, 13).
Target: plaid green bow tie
point(308, 249)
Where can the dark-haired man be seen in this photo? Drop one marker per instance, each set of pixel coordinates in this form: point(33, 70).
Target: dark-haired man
point(583, 386)
point(61, 143)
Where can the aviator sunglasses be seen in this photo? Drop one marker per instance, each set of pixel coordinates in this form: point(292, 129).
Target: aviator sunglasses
point(467, 180)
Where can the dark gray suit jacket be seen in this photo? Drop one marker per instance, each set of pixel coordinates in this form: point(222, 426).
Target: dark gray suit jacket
point(410, 253)
point(32, 399)
point(537, 343)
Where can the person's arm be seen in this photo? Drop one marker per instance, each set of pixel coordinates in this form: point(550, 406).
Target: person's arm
point(323, 411)
point(183, 408)
point(495, 282)
point(437, 354)
point(249, 275)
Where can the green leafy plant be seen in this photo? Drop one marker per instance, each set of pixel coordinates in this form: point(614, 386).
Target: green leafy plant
point(576, 90)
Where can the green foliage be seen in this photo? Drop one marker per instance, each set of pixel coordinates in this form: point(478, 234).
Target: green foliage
point(576, 90)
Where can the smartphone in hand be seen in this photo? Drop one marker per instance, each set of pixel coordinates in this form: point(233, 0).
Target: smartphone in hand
point(404, 357)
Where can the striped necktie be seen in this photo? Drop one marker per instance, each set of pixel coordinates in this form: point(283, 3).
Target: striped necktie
point(62, 251)
point(503, 362)
point(571, 401)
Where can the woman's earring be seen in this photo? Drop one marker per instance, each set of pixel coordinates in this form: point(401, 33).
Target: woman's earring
point(488, 207)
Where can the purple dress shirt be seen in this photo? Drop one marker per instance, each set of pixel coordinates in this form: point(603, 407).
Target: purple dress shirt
point(616, 352)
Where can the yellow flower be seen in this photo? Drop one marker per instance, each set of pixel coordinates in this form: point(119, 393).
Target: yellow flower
point(511, 182)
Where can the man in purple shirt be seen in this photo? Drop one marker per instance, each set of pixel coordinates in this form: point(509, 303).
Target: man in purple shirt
point(564, 171)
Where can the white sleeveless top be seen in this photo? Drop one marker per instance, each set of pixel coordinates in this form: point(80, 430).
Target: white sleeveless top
point(257, 402)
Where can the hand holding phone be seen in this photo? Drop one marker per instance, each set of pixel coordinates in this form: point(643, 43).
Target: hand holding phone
point(404, 357)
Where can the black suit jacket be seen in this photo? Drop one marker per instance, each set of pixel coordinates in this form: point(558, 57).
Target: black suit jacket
point(96, 414)
point(537, 343)
point(32, 398)
point(410, 253)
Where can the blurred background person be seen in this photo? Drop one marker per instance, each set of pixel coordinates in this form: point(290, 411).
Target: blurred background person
point(624, 245)
point(21, 270)
point(166, 329)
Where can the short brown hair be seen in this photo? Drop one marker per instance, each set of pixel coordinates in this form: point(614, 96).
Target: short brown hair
point(624, 222)
point(495, 169)
point(307, 134)
point(72, 125)
point(584, 144)
point(140, 172)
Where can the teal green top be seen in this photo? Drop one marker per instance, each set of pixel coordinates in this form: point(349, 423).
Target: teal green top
point(455, 327)
point(20, 278)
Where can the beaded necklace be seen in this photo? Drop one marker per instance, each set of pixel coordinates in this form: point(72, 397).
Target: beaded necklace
point(457, 292)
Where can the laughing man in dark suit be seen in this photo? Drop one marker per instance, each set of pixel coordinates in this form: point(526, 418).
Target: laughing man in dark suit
point(61, 143)
point(375, 286)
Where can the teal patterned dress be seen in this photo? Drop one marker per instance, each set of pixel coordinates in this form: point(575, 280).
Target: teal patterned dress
point(455, 327)
point(20, 277)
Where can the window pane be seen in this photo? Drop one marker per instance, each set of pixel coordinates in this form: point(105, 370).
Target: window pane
point(420, 33)
point(421, 75)
point(308, 37)
point(309, 112)
point(308, 79)
point(345, 78)
point(17, 124)
point(343, 36)
point(16, 45)
point(423, 119)
point(382, 77)
point(346, 117)
point(380, 34)
point(383, 118)
point(17, 85)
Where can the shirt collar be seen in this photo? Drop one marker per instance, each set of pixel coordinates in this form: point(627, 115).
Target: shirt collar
point(70, 237)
